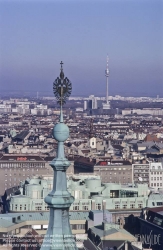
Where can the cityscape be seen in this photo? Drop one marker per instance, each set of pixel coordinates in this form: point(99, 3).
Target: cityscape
point(81, 125)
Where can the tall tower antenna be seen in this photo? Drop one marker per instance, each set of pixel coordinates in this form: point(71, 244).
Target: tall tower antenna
point(107, 104)
point(107, 78)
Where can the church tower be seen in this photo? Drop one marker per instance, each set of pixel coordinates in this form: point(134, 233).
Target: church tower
point(92, 138)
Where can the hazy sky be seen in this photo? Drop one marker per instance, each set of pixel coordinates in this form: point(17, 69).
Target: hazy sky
point(36, 35)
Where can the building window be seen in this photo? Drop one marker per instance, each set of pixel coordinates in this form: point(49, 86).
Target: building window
point(75, 206)
point(38, 208)
point(132, 205)
point(112, 194)
point(77, 226)
point(16, 207)
point(80, 226)
point(98, 206)
point(20, 207)
point(140, 205)
point(117, 206)
point(159, 203)
point(124, 206)
point(85, 206)
point(25, 207)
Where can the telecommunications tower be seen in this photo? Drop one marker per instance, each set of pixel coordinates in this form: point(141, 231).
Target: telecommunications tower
point(107, 104)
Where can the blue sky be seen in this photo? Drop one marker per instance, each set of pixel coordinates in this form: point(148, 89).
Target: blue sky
point(36, 35)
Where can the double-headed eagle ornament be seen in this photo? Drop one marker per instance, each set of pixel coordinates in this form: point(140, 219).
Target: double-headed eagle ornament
point(62, 88)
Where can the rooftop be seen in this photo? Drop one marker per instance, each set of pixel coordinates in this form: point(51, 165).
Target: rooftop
point(6, 220)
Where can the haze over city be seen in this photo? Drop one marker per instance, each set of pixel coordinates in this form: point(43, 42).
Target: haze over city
point(81, 125)
point(37, 35)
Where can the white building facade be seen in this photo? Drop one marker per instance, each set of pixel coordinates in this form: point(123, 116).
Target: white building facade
point(155, 175)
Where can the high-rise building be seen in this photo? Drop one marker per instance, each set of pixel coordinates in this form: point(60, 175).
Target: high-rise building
point(85, 105)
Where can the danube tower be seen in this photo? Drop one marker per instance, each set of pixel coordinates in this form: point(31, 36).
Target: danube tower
point(107, 104)
point(59, 235)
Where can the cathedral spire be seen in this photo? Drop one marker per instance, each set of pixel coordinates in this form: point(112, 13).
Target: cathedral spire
point(59, 235)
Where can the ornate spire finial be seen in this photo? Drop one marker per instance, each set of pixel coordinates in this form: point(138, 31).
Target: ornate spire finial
point(61, 63)
point(62, 88)
point(61, 74)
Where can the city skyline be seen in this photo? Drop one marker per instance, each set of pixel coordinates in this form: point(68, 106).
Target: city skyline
point(36, 36)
